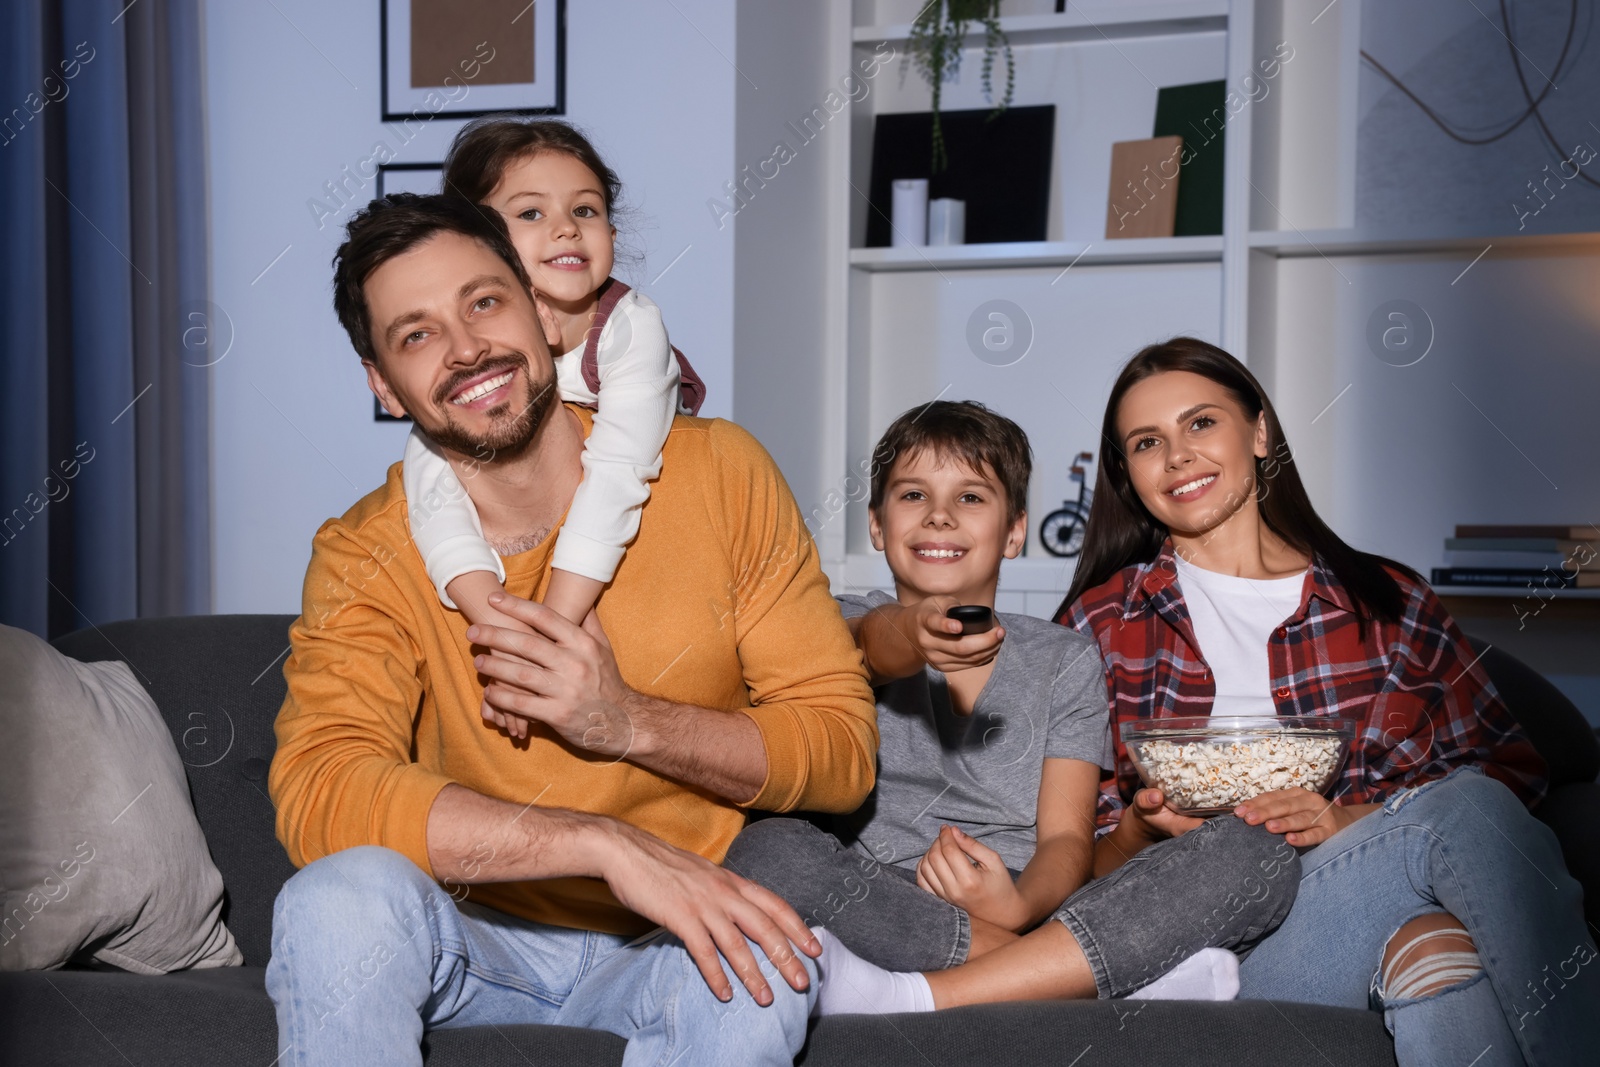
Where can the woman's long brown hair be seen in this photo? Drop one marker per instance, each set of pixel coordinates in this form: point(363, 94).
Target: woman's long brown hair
point(1121, 531)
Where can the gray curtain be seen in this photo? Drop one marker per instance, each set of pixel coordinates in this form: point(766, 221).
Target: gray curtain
point(106, 324)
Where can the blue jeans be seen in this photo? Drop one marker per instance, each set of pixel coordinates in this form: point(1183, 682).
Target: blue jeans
point(368, 952)
point(1465, 845)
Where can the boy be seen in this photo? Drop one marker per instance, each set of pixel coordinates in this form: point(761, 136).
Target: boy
point(992, 747)
point(991, 743)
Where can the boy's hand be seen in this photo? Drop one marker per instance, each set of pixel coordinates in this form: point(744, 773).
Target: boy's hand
point(969, 874)
point(938, 639)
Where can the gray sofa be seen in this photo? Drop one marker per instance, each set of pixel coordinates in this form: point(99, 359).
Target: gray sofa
point(219, 683)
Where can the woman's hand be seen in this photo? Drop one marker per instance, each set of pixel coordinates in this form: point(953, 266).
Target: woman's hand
point(1301, 816)
point(962, 871)
point(1153, 820)
point(1142, 823)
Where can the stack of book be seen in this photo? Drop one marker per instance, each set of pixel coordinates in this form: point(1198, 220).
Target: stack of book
point(1549, 557)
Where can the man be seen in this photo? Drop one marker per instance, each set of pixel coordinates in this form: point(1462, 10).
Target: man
point(715, 675)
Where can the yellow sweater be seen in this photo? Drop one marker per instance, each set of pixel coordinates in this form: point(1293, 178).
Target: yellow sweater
point(719, 603)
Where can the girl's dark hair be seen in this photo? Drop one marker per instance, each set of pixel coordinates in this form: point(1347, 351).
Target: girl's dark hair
point(485, 147)
point(1121, 531)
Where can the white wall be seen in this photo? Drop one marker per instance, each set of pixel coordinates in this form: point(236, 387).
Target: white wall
point(292, 97)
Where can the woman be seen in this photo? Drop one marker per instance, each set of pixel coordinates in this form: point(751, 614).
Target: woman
point(1427, 890)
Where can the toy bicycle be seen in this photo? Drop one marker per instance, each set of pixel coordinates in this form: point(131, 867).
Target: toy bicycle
point(1062, 530)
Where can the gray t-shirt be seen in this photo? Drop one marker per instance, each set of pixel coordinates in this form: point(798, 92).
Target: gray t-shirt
point(1046, 699)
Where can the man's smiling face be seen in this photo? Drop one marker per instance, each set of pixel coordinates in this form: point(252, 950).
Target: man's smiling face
point(462, 347)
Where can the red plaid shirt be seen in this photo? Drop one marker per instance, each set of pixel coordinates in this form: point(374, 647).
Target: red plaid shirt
point(1422, 704)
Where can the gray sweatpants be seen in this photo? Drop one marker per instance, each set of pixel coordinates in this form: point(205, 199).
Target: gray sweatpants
point(1225, 884)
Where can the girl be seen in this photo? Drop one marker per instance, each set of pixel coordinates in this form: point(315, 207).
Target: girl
point(558, 199)
point(1211, 586)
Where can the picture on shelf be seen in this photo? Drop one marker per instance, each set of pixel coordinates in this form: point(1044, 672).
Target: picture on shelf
point(1000, 166)
point(464, 58)
point(1197, 113)
point(1144, 188)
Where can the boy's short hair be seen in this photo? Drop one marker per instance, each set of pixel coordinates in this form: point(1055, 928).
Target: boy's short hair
point(398, 223)
point(963, 430)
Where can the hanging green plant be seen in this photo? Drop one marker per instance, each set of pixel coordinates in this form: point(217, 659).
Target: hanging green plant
point(936, 37)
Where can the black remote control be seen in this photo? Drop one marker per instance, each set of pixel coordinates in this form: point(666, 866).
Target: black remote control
point(974, 618)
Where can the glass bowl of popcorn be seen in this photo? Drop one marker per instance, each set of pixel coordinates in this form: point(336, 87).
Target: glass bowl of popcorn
point(1208, 765)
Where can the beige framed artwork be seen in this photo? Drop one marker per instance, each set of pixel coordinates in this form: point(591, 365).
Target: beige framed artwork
point(462, 58)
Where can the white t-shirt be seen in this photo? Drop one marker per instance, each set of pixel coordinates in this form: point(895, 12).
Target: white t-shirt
point(1233, 618)
point(622, 456)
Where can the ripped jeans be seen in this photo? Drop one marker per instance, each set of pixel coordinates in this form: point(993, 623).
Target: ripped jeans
point(1465, 845)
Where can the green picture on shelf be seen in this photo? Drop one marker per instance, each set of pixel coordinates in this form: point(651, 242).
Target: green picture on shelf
point(1198, 113)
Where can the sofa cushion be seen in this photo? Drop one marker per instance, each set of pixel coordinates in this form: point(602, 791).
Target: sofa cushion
point(224, 1016)
point(1552, 722)
point(1101, 1033)
point(100, 854)
point(218, 681)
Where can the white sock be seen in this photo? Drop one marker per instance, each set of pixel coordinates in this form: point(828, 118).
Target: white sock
point(1210, 974)
point(849, 985)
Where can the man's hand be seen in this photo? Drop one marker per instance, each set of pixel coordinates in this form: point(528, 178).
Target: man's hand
point(1301, 816)
point(562, 675)
point(711, 910)
point(963, 871)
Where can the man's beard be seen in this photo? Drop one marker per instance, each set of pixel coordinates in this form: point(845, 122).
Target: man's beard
point(511, 430)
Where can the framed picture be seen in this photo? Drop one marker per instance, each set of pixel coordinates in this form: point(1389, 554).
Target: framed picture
point(463, 58)
point(409, 178)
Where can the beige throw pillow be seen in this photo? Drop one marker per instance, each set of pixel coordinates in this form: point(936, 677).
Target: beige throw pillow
point(100, 853)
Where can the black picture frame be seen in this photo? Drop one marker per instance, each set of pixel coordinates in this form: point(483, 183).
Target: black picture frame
point(1000, 165)
point(387, 185)
point(391, 111)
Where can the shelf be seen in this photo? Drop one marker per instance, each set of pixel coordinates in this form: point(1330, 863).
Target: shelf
point(1351, 243)
point(1041, 254)
point(1511, 592)
point(1092, 22)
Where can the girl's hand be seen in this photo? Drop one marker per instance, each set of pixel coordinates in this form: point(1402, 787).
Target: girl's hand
point(969, 874)
point(1301, 816)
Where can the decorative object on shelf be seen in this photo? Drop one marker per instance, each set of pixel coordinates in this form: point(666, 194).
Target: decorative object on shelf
point(462, 58)
point(1198, 113)
point(910, 212)
point(1143, 201)
point(999, 168)
point(1548, 557)
point(936, 38)
point(947, 221)
point(1062, 530)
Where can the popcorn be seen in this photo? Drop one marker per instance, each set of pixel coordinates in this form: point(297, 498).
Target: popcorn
point(1216, 775)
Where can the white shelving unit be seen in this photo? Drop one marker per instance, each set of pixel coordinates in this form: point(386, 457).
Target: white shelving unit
point(900, 317)
point(1041, 254)
point(1084, 22)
